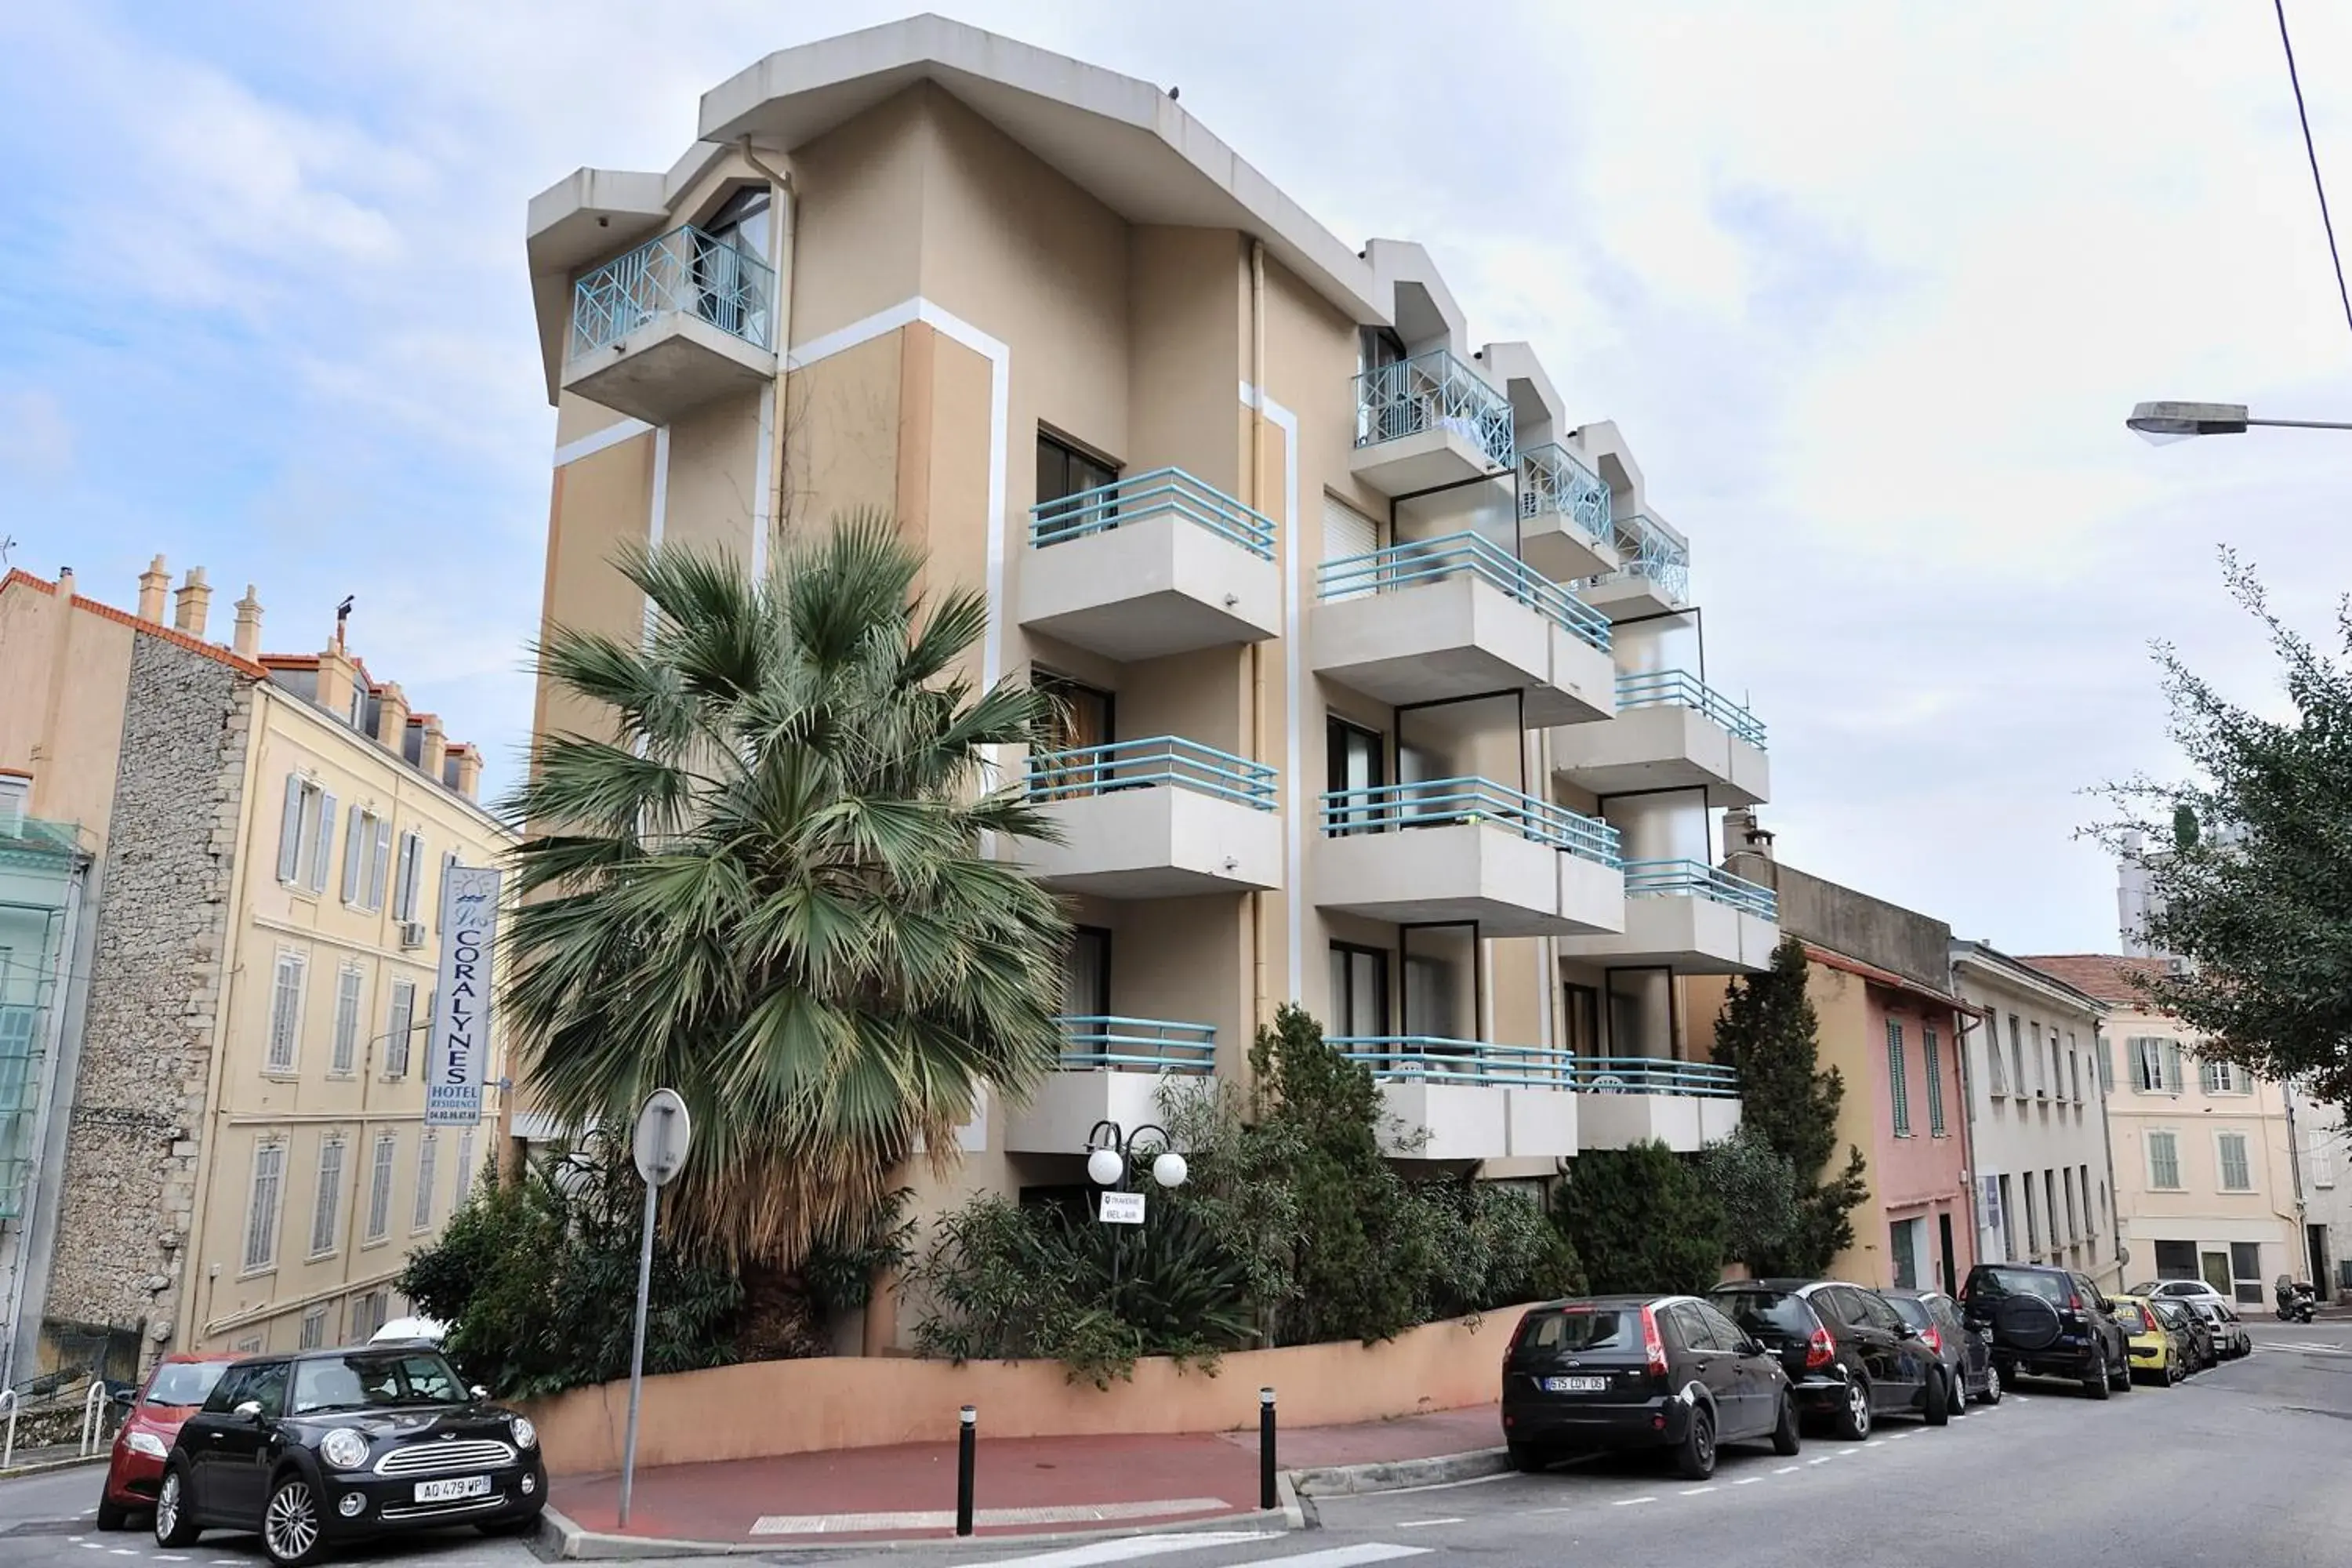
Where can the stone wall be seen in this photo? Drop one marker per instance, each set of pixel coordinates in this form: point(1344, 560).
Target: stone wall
point(130, 1189)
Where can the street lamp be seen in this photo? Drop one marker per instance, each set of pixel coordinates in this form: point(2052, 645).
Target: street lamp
point(1109, 1151)
point(2179, 419)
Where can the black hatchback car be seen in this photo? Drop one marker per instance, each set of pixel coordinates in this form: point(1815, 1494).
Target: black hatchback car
point(1966, 1353)
point(1849, 1357)
point(2050, 1323)
point(1640, 1371)
point(337, 1446)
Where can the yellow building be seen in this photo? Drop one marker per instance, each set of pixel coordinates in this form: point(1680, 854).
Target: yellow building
point(1383, 666)
point(233, 1148)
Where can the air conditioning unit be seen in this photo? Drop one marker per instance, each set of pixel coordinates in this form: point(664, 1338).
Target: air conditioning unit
point(412, 933)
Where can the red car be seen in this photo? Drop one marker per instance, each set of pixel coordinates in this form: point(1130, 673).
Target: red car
point(173, 1391)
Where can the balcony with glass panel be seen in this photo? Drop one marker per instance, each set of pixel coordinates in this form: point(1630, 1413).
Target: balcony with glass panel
point(1163, 818)
point(1468, 850)
point(1470, 1100)
point(1438, 619)
point(1624, 1100)
point(1687, 916)
point(1564, 528)
point(1673, 731)
point(1151, 564)
point(1427, 422)
point(684, 318)
point(1112, 1069)
point(1652, 576)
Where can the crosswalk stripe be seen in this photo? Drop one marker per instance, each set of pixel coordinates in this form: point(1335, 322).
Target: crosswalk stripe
point(1346, 1556)
point(1123, 1549)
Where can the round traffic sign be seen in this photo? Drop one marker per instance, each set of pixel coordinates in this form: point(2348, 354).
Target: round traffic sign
point(663, 1132)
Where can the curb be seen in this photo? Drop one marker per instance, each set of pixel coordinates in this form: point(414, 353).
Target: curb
point(561, 1537)
point(43, 1467)
point(1400, 1475)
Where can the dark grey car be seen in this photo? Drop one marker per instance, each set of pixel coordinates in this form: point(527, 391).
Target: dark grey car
point(1967, 1355)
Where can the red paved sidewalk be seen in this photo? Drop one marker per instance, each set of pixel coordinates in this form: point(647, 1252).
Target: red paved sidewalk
point(1022, 1486)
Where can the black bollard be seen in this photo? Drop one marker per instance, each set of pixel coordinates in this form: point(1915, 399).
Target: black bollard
point(1268, 1497)
point(967, 1446)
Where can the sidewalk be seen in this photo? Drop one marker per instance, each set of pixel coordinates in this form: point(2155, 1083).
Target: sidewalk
point(1021, 1486)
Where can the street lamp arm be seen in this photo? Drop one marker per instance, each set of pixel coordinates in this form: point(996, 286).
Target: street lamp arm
point(2182, 419)
point(2305, 423)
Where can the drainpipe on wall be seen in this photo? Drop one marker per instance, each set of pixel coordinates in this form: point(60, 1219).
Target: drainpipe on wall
point(1259, 993)
point(781, 248)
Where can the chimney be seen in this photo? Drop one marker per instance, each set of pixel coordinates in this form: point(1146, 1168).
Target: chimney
point(153, 584)
point(466, 761)
point(1743, 835)
point(432, 747)
point(192, 603)
point(337, 672)
point(248, 624)
point(392, 718)
point(65, 586)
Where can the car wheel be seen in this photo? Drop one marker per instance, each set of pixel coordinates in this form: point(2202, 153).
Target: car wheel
point(1956, 1393)
point(1992, 1382)
point(1934, 1404)
point(1528, 1459)
point(289, 1524)
point(1786, 1438)
point(1853, 1417)
point(173, 1524)
point(112, 1516)
point(2119, 1375)
point(1695, 1457)
point(2098, 1382)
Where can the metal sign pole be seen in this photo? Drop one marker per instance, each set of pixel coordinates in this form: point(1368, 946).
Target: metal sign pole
point(663, 1132)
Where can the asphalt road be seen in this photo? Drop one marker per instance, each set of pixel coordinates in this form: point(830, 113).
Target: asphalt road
point(2245, 1464)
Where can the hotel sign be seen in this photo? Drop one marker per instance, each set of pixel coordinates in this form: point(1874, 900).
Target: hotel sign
point(459, 1053)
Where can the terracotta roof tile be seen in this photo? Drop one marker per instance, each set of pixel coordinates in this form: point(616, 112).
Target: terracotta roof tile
point(152, 628)
point(2106, 975)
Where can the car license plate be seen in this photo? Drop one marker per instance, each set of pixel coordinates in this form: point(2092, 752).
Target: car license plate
point(453, 1489)
point(1575, 1385)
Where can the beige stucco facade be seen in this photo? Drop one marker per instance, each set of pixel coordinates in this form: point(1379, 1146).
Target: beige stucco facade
point(1314, 515)
point(245, 1045)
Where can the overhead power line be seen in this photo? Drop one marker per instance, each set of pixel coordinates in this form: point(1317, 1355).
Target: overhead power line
point(2312, 151)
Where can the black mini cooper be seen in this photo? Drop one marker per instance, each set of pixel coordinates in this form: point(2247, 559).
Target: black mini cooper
point(337, 1446)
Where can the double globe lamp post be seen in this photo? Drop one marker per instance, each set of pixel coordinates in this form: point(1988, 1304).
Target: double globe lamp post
point(1112, 1150)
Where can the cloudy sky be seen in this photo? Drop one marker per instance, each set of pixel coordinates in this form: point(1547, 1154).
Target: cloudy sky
point(1870, 294)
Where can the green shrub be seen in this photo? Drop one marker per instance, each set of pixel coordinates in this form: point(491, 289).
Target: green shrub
point(1642, 1221)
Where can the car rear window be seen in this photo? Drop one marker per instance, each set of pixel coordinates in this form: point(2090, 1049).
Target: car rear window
point(1583, 1329)
point(1995, 1282)
point(1757, 1311)
point(1911, 1312)
point(185, 1382)
point(2133, 1320)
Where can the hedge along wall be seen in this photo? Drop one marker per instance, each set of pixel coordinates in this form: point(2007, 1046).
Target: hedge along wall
point(804, 1406)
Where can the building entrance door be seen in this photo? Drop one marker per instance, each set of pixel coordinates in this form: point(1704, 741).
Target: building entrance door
point(2215, 1267)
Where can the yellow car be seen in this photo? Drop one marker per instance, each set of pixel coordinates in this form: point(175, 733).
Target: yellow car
point(2156, 1353)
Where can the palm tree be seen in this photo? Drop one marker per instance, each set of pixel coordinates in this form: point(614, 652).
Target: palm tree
point(769, 886)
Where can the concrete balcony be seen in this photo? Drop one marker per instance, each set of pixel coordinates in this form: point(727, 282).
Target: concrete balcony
point(681, 319)
point(1113, 1069)
point(1623, 1100)
point(1157, 818)
point(1672, 731)
point(1451, 850)
point(1459, 616)
point(1564, 529)
point(1428, 422)
point(1652, 574)
point(1153, 564)
point(1690, 917)
point(1471, 1099)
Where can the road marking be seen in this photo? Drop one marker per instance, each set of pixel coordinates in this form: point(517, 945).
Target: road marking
point(1786, 1470)
point(1099, 1551)
point(1695, 1491)
point(1747, 1480)
point(1841, 1452)
point(1630, 1501)
point(1898, 1436)
point(160, 1558)
point(1424, 1523)
point(1350, 1556)
point(1824, 1459)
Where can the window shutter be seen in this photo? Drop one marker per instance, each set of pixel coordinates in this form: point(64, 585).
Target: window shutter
point(289, 830)
point(1347, 533)
point(326, 845)
point(2208, 1079)
point(354, 848)
point(378, 865)
point(2172, 1066)
point(441, 889)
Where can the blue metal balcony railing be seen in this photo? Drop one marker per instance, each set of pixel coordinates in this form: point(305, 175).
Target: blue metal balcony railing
point(1695, 879)
point(1655, 1075)
point(1648, 550)
point(1433, 391)
point(1468, 1064)
point(1092, 1042)
point(1680, 688)
point(684, 270)
point(1142, 497)
point(1551, 481)
point(1420, 561)
point(1162, 760)
point(1444, 802)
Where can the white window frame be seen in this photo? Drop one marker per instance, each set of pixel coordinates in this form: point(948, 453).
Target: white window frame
point(408, 876)
point(306, 835)
point(2172, 1147)
point(428, 1176)
point(367, 850)
point(2222, 1137)
point(282, 1056)
point(465, 1168)
point(265, 1201)
point(1996, 1073)
point(327, 1198)
point(2320, 1158)
point(351, 984)
point(399, 1028)
point(383, 1157)
point(314, 1327)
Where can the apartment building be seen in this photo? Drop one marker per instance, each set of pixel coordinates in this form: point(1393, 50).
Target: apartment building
point(234, 1152)
point(1384, 670)
point(2205, 1182)
point(2322, 1136)
point(2038, 1116)
point(1879, 978)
